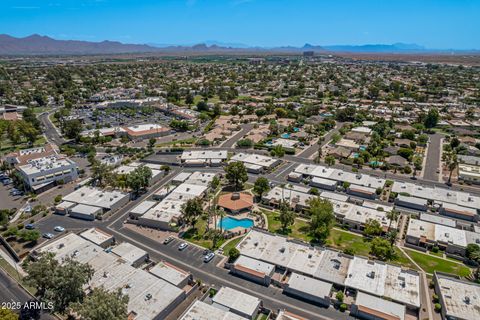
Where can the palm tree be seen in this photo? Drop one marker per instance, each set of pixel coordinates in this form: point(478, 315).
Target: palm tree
point(392, 216)
point(221, 213)
point(452, 163)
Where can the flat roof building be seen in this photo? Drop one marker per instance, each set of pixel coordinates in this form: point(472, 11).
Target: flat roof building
point(314, 290)
point(204, 157)
point(253, 269)
point(202, 311)
point(171, 274)
point(149, 296)
point(371, 307)
point(40, 172)
point(235, 301)
point(459, 299)
point(130, 253)
point(107, 200)
point(255, 163)
point(99, 237)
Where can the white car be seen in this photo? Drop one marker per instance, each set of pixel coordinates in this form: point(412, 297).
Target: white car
point(209, 257)
point(48, 235)
point(59, 229)
point(182, 246)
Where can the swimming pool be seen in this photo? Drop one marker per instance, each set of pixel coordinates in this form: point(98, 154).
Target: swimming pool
point(231, 223)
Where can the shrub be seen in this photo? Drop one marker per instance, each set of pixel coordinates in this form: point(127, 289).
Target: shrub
point(343, 307)
point(57, 199)
point(435, 298)
point(339, 296)
point(233, 254)
point(435, 249)
point(438, 307)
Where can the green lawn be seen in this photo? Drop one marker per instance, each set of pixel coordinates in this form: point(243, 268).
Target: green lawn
point(298, 230)
point(196, 235)
point(342, 240)
point(231, 244)
point(431, 263)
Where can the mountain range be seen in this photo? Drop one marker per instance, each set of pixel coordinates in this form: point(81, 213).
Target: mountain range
point(43, 45)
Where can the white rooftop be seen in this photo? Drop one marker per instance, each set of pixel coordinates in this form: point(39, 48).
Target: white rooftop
point(96, 197)
point(380, 305)
point(202, 311)
point(129, 252)
point(96, 236)
point(169, 273)
point(254, 159)
point(308, 285)
point(237, 300)
point(461, 299)
point(204, 155)
point(437, 194)
point(340, 175)
point(47, 164)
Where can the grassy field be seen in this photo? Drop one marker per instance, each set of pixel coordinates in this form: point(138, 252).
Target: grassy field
point(431, 263)
point(298, 230)
point(196, 235)
point(231, 244)
point(342, 240)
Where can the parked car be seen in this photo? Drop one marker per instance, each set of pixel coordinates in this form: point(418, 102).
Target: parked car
point(28, 208)
point(48, 235)
point(182, 246)
point(59, 229)
point(209, 257)
point(168, 240)
point(30, 226)
point(6, 181)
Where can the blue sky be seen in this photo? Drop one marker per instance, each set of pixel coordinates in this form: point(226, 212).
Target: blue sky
point(432, 23)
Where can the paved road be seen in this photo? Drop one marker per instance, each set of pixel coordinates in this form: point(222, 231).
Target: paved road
point(11, 292)
point(233, 140)
point(310, 151)
point(50, 130)
point(434, 153)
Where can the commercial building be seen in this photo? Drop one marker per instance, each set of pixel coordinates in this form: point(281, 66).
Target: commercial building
point(41, 173)
point(203, 311)
point(256, 163)
point(459, 299)
point(149, 296)
point(146, 131)
point(204, 157)
point(21, 157)
point(426, 235)
point(306, 288)
point(237, 302)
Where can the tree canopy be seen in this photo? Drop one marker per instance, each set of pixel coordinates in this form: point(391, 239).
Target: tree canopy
point(322, 218)
point(236, 174)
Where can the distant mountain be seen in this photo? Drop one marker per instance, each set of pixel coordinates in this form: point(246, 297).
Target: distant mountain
point(381, 48)
point(42, 45)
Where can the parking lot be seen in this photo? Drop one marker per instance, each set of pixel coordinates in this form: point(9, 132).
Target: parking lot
point(8, 201)
point(121, 116)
